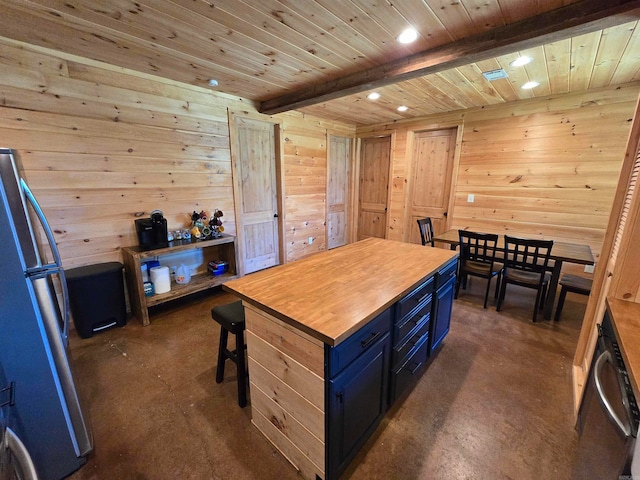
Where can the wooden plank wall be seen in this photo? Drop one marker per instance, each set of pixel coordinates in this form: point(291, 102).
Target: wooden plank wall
point(103, 146)
point(305, 181)
point(542, 168)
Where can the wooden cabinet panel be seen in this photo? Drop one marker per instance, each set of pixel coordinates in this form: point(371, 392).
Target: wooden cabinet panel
point(308, 444)
point(292, 342)
point(291, 401)
point(286, 447)
point(295, 375)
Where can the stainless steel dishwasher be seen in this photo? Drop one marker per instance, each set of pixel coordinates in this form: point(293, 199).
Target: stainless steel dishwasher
point(608, 416)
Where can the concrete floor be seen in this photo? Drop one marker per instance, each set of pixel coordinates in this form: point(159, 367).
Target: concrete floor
point(495, 403)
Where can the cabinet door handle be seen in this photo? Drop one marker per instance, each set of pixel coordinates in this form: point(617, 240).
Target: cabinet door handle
point(339, 396)
point(374, 336)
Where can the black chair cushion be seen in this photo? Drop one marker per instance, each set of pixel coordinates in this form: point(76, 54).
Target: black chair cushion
point(230, 316)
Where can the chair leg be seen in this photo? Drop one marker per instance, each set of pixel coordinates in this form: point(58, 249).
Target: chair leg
point(498, 281)
point(563, 294)
point(458, 282)
point(486, 294)
point(242, 370)
point(503, 288)
point(544, 297)
point(224, 335)
point(536, 306)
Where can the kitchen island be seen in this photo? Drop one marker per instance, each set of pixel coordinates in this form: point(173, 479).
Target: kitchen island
point(335, 338)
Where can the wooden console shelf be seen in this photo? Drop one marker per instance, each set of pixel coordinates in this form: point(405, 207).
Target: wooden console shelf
point(223, 248)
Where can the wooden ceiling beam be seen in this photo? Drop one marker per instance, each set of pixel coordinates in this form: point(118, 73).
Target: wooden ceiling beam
point(579, 18)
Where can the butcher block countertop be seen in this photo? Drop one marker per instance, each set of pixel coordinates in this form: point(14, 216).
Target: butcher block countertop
point(331, 294)
point(625, 318)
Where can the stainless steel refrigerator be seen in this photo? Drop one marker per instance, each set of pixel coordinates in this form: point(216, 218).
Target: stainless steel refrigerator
point(45, 410)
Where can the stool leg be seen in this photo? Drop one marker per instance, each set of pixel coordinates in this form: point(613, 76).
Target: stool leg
point(224, 335)
point(563, 293)
point(242, 369)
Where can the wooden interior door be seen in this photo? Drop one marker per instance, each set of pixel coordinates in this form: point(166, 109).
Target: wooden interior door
point(432, 167)
point(375, 159)
point(338, 169)
point(256, 194)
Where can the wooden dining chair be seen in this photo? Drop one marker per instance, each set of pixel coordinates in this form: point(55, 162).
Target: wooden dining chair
point(478, 258)
point(526, 264)
point(426, 231)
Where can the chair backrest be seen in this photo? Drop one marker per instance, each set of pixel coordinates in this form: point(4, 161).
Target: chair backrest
point(530, 255)
point(426, 231)
point(478, 247)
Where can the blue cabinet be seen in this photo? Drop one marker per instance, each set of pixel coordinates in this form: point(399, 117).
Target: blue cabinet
point(367, 372)
point(442, 305)
point(357, 402)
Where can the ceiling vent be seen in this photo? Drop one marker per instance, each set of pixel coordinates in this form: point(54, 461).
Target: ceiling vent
point(492, 75)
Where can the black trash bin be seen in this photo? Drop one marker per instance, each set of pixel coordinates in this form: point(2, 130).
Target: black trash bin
point(96, 297)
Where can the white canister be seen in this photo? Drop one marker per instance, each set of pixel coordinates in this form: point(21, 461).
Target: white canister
point(161, 278)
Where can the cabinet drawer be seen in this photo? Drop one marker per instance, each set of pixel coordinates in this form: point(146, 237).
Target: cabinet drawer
point(358, 343)
point(446, 273)
point(413, 299)
point(403, 375)
point(403, 328)
point(403, 347)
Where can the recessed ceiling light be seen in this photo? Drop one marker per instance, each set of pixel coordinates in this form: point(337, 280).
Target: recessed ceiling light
point(213, 83)
point(520, 61)
point(530, 85)
point(403, 108)
point(373, 96)
point(408, 36)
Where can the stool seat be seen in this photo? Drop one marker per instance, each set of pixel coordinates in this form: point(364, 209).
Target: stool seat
point(573, 284)
point(229, 316)
point(231, 319)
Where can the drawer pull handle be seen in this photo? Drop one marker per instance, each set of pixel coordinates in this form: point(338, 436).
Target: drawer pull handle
point(374, 336)
point(416, 368)
point(423, 298)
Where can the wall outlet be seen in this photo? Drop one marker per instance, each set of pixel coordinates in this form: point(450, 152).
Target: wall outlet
point(589, 268)
point(471, 198)
point(310, 240)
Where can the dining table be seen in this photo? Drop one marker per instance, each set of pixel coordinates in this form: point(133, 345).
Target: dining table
point(561, 252)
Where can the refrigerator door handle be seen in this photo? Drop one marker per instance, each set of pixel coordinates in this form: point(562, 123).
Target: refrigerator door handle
point(597, 377)
point(21, 454)
point(56, 257)
point(43, 221)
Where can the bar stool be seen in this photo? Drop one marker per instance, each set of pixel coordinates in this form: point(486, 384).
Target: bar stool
point(574, 284)
point(231, 320)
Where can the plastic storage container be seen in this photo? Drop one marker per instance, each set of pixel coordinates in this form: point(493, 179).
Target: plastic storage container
point(96, 297)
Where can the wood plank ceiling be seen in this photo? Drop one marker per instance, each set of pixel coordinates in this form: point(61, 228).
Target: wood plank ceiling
point(264, 49)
